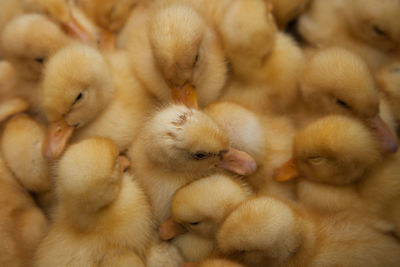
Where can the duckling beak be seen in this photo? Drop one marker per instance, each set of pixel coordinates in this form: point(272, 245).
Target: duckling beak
point(287, 172)
point(186, 95)
point(56, 140)
point(388, 141)
point(124, 163)
point(76, 30)
point(170, 229)
point(238, 162)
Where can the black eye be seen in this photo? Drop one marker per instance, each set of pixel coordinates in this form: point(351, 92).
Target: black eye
point(196, 59)
point(200, 155)
point(78, 98)
point(379, 31)
point(194, 223)
point(342, 104)
point(39, 60)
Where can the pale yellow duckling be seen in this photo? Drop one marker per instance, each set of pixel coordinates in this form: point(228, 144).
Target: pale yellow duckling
point(197, 211)
point(22, 224)
point(287, 10)
point(336, 81)
point(267, 138)
point(84, 92)
point(369, 28)
point(27, 43)
point(171, 46)
point(179, 145)
point(102, 211)
point(21, 148)
point(266, 231)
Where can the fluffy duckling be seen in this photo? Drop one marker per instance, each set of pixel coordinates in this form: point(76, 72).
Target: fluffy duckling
point(368, 28)
point(267, 138)
point(265, 231)
point(287, 11)
point(179, 145)
point(84, 94)
point(27, 43)
point(389, 82)
point(98, 211)
point(172, 46)
point(199, 208)
point(22, 224)
point(336, 81)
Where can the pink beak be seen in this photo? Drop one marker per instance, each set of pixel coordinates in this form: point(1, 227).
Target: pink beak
point(238, 162)
point(387, 139)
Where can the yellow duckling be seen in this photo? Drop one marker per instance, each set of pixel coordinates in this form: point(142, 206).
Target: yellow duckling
point(171, 46)
point(266, 231)
point(177, 146)
point(22, 224)
point(85, 93)
point(197, 211)
point(287, 10)
point(103, 215)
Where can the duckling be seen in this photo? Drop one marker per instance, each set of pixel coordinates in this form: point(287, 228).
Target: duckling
point(368, 28)
point(22, 224)
point(267, 138)
point(337, 81)
point(24, 136)
point(171, 46)
point(27, 43)
point(98, 210)
point(389, 82)
point(85, 93)
point(199, 208)
point(266, 231)
point(179, 145)
point(217, 262)
point(287, 11)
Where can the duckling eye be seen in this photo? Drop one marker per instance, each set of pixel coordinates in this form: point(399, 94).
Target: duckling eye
point(379, 31)
point(342, 104)
point(39, 60)
point(194, 223)
point(200, 155)
point(196, 59)
point(316, 160)
point(78, 98)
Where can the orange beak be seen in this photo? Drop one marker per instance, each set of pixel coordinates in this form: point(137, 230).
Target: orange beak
point(12, 107)
point(238, 162)
point(387, 139)
point(76, 30)
point(56, 140)
point(107, 41)
point(170, 229)
point(124, 163)
point(287, 172)
point(186, 95)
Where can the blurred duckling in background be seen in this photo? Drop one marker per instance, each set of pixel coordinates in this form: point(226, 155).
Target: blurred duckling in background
point(268, 231)
point(198, 209)
point(22, 224)
point(287, 10)
point(267, 138)
point(27, 43)
point(21, 148)
point(171, 46)
point(8, 10)
point(84, 94)
point(369, 28)
point(336, 81)
point(102, 211)
point(179, 145)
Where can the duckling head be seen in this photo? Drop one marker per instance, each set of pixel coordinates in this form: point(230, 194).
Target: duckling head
point(77, 86)
point(187, 52)
point(201, 206)
point(187, 140)
point(260, 231)
point(28, 41)
point(337, 81)
point(334, 150)
point(90, 165)
point(376, 23)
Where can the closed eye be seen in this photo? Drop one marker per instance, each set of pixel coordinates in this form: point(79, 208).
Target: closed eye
point(343, 104)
